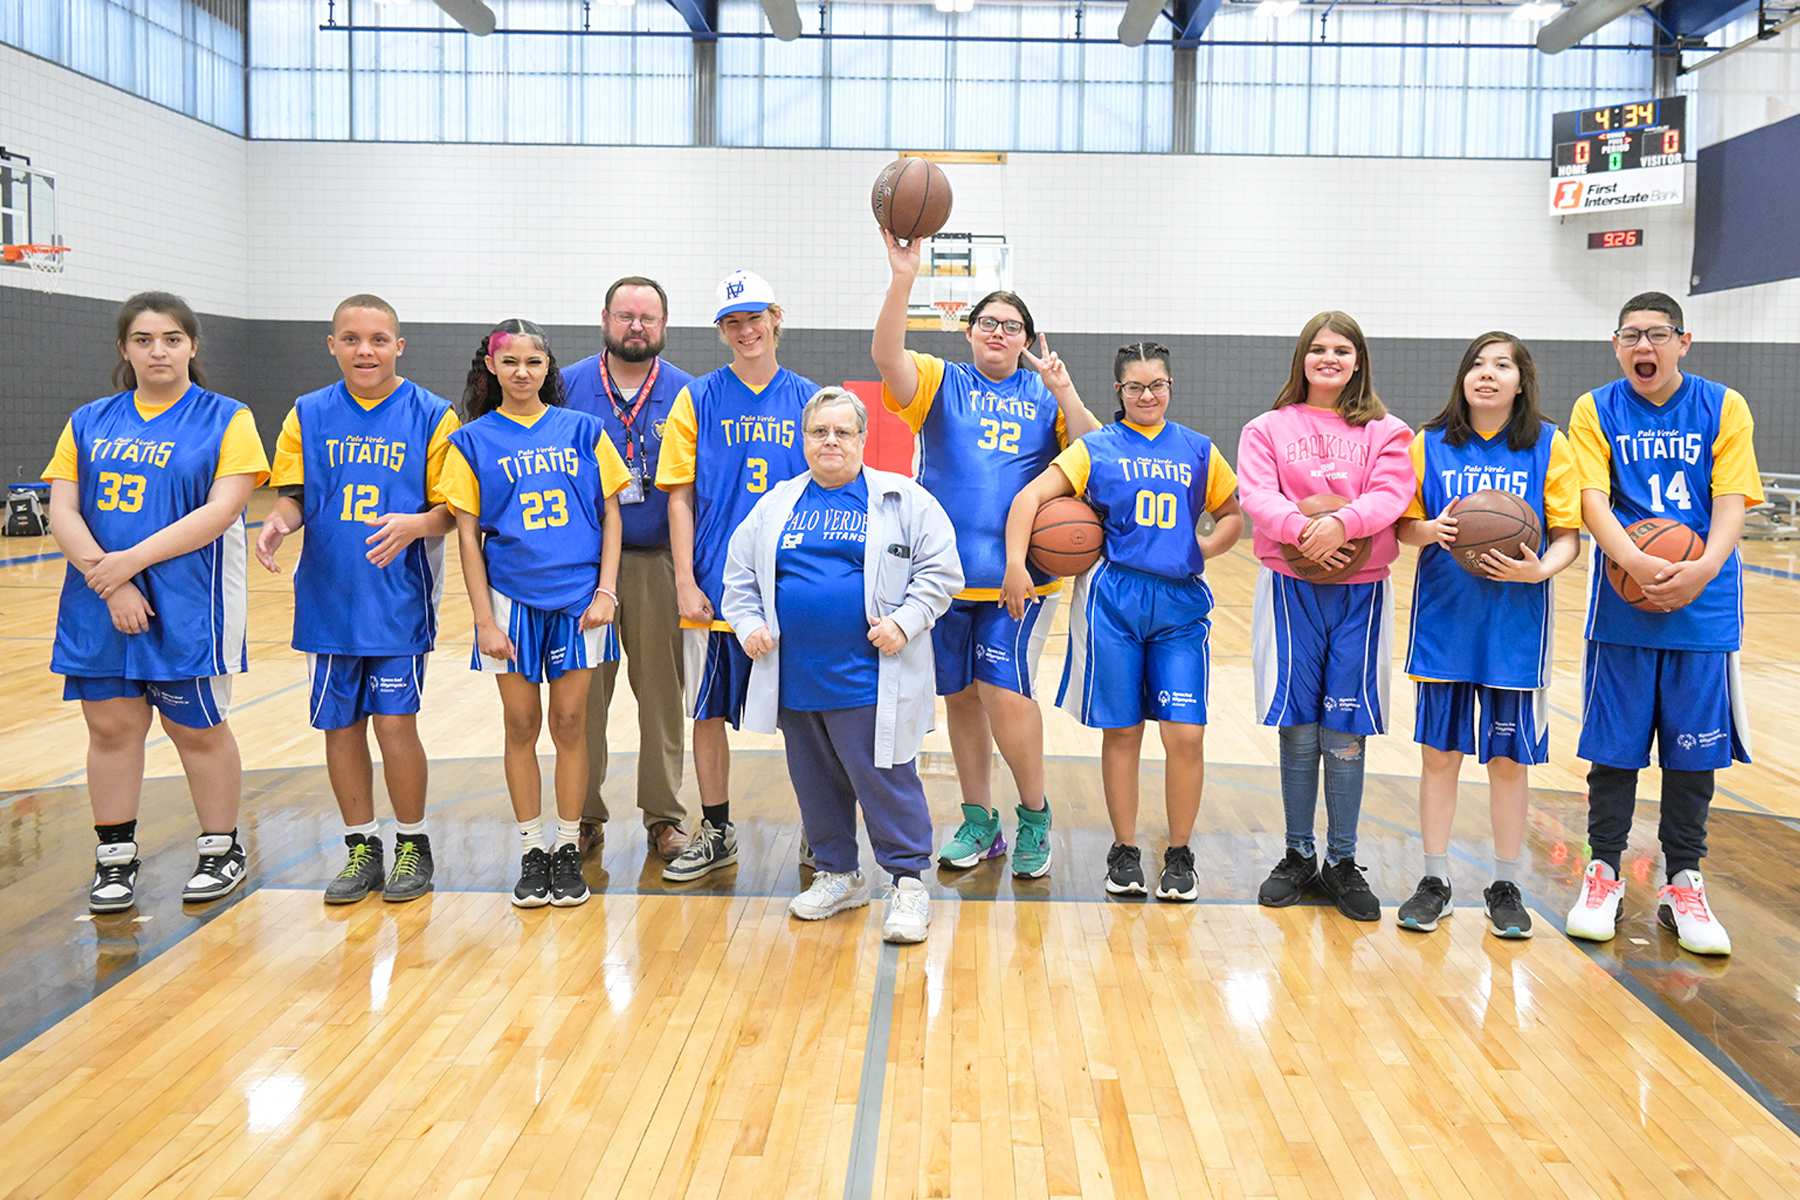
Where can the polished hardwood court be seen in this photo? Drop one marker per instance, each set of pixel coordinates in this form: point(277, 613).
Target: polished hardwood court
point(695, 1041)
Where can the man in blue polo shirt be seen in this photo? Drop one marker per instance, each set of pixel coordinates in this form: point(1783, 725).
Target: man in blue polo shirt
point(630, 388)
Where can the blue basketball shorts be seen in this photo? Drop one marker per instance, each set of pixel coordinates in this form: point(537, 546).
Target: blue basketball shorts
point(198, 703)
point(548, 644)
point(1322, 652)
point(978, 639)
point(716, 675)
point(1690, 701)
point(348, 687)
point(1513, 723)
point(1139, 649)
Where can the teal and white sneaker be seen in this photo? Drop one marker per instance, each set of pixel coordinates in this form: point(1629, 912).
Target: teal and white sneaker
point(978, 837)
point(1031, 845)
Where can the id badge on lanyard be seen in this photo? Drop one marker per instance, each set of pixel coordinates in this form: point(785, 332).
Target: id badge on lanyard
point(637, 454)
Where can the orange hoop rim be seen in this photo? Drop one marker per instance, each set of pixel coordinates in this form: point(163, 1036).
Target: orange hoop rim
point(25, 250)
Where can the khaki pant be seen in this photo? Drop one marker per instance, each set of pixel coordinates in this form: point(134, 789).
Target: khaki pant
point(650, 635)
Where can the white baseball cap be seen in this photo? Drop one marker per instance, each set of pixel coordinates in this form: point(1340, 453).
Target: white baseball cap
point(743, 291)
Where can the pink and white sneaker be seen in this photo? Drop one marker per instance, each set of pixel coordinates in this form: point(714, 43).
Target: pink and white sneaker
point(1681, 907)
point(1595, 916)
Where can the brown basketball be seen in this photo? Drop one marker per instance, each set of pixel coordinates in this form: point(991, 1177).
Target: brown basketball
point(911, 198)
point(1066, 537)
point(1492, 520)
point(1670, 540)
point(1311, 571)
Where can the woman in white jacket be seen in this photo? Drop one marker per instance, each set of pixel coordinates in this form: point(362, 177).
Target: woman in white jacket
point(831, 581)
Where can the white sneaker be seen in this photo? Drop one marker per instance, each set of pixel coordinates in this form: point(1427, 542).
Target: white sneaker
point(831, 893)
point(909, 912)
point(1681, 906)
point(1596, 914)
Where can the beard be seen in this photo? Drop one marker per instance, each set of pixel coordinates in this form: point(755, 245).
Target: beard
point(635, 353)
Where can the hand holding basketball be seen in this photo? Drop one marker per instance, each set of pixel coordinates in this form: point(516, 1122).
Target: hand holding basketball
point(1441, 529)
point(1679, 584)
point(911, 198)
point(1665, 574)
point(1323, 536)
point(1324, 554)
point(903, 257)
point(1527, 568)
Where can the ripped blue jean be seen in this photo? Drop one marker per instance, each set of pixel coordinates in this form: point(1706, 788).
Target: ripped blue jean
point(1303, 747)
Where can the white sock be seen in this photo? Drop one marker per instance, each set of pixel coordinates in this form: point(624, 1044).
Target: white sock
point(405, 830)
point(531, 835)
point(368, 831)
point(568, 833)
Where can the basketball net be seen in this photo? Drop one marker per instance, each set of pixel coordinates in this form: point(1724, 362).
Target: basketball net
point(950, 314)
point(46, 263)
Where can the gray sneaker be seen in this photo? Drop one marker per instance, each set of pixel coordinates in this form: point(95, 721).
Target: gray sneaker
point(710, 849)
point(361, 875)
point(411, 876)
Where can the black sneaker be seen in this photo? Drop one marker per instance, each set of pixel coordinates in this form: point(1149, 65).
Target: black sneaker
point(1178, 881)
point(567, 885)
point(1124, 871)
point(533, 890)
point(115, 877)
point(1292, 878)
point(361, 875)
point(1343, 881)
point(221, 870)
point(1428, 904)
point(411, 876)
point(1506, 913)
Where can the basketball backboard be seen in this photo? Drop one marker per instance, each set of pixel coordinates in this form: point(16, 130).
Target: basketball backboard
point(27, 205)
point(960, 267)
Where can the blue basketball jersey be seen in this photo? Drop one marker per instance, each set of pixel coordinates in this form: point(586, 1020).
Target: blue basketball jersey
point(1466, 629)
point(1149, 493)
point(745, 443)
point(980, 444)
point(1662, 466)
point(361, 463)
point(542, 500)
point(136, 477)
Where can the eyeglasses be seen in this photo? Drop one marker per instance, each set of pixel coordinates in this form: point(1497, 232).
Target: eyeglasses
point(1135, 391)
point(822, 434)
point(989, 324)
point(1659, 335)
point(641, 320)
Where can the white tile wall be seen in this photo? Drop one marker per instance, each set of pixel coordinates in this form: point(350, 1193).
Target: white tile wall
point(1161, 244)
point(147, 198)
point(1756, 86)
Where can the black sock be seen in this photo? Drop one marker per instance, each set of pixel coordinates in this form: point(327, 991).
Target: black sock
point(124, 831)
point(717, 815)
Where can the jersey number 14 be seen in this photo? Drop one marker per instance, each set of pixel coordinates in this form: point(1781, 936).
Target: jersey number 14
point(1675, 492)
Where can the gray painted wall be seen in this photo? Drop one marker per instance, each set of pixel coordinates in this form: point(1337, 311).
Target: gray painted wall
point(58, 352)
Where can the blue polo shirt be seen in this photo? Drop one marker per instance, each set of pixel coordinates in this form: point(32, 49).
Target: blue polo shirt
point(646, 524)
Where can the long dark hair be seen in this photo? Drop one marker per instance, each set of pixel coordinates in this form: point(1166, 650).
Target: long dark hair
point(1527, 422)
point(124, 376)
point(482, 392)
point(1136, 352)
point(1357, 403)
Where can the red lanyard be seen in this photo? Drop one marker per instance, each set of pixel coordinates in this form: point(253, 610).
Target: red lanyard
point(625, 418)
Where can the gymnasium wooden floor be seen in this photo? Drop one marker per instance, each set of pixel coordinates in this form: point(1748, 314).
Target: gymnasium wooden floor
point(1046, 1041)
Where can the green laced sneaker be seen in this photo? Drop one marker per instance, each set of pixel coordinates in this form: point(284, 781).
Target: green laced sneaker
point(361, 875)
point(411, 876)
point(978, 837)
point(1031, 844)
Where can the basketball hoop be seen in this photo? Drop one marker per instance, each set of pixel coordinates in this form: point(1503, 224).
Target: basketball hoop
point(950, 314)
point(46, 263)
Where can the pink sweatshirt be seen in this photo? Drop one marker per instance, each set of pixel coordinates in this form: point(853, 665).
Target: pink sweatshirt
point(1290, 453)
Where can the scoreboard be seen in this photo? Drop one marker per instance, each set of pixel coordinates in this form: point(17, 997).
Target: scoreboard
point(1620, 156)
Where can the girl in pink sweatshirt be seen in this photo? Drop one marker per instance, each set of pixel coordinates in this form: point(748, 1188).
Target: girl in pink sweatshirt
point(1321, 651)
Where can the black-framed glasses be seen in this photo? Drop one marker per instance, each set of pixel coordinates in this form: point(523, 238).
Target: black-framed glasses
point(989, 324)
point(1658, 335)
point(1135, 391)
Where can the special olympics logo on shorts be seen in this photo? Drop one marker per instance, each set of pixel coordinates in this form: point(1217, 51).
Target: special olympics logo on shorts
point(980, 652)
point(1331, 704)
point(1162, 697)
point(1687, 741)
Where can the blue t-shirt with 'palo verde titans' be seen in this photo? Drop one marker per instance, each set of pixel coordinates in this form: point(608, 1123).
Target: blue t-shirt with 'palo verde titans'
point(827, 660)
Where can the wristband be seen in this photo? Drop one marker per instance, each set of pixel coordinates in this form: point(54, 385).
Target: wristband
point(613, 596)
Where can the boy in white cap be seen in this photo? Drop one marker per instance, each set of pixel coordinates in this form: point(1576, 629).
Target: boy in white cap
point(731, 436)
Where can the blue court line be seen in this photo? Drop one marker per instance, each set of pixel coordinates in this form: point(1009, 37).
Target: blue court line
point(28, 559)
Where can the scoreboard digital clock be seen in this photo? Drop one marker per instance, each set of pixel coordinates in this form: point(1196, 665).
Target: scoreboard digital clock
point(1615, 239)
point(1620, 156)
